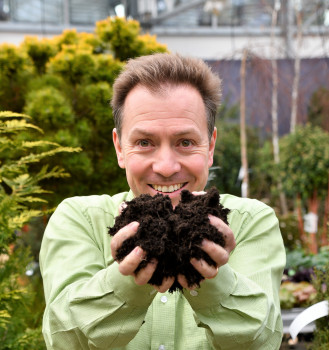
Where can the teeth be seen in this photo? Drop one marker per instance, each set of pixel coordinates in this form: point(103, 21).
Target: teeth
point(167, 189)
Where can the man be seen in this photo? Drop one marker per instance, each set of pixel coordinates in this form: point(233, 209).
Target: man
point(164, 109)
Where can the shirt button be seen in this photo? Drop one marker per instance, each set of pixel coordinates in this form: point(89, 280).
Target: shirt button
point(162, 347)
point(163, 299)
point(194, 293)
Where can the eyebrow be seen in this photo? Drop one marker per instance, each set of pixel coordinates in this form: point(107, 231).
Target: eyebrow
point(146, 133)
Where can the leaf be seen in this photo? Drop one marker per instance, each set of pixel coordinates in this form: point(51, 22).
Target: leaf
point(9, 114)
point(15, 125)
point(40, 143)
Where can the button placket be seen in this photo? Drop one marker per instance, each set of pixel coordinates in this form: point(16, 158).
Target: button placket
point(163, 324)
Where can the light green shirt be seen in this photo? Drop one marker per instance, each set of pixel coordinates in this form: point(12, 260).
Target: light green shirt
point(90, 305)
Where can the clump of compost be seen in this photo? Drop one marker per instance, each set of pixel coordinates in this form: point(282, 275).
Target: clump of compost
point(170, 235)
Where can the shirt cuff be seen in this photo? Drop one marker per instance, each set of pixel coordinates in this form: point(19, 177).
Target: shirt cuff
point(212, 291)
point(127, 290)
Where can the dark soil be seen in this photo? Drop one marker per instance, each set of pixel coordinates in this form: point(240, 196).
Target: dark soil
point(172, 236)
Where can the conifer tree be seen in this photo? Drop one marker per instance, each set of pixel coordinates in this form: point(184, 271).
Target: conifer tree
point(21, 195)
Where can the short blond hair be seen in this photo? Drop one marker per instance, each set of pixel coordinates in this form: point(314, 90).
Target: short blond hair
point(157, 71)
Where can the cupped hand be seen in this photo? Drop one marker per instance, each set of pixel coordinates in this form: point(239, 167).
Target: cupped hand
point(218, 254)
point(129, 264)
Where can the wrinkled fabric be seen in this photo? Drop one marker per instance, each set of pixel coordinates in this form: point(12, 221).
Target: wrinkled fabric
point(90, 305)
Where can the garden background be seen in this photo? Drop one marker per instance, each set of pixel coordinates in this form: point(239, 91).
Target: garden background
point(55, 142)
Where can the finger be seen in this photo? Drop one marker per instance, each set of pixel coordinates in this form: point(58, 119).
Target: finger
point(166, 284)
point(225, 230)
point(145, 274)
point(122, 235)
point(198, 193)
point(130, 263)
point(183, 282)
point(206, 270)
point(217, 253)
point(122, 206)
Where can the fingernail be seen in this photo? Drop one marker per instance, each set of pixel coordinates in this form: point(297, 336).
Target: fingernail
point(205, 243)
point(123, 205)
point(138, 251)
point(134, 225)
point(199, 193)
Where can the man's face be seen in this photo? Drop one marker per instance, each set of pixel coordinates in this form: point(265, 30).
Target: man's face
point(164, 143)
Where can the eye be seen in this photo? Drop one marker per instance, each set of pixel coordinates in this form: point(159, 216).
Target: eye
point(143, 143)
point(186, 143)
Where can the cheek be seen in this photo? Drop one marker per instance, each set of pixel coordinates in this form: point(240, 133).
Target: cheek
point(198, 165)
point(135, 167)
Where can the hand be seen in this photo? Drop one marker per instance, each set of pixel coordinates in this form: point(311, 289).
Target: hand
point(217, 253)
point(130, 263)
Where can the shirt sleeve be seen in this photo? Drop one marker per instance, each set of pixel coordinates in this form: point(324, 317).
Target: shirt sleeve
point(240, 307)
point(89, 304)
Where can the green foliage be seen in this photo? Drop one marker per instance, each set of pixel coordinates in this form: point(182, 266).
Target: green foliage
point(14, 72)
point(305, 161)
point(122, 37)
point(321, 333)
point(298, 258)
point(289, 231)
point(227, 155)
point(50, 109)
point(318, 109)
point(19, 189)
point(21, 196)
point(12, 61)
point(39, 52)
point(68, 37)
point(265, 170)
point(20, 321)
point(73, 64)
point(106, 69)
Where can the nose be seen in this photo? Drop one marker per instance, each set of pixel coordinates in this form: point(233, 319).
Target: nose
point(166, 162)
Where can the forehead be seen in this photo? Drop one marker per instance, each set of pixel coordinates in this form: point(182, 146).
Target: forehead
point(165, 101)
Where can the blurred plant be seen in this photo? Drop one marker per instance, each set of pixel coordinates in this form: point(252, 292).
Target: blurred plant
point(297, 288)
point(299, 262)
point(305, 172)
point(20, 199)
point(14, 73)
point(73, 63)
point(49, 108)
point(318, 109)
point(122, 38)
point(321, 333)
point(227, 155)
point(292, 294)
point(265, 171)
point(289, 230)
point(39, 51)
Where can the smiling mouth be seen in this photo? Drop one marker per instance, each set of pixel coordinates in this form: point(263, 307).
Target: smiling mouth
point(168, 189)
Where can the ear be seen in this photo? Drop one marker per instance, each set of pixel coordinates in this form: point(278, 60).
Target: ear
point(212, 147)
point(118, 148)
